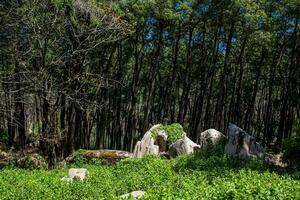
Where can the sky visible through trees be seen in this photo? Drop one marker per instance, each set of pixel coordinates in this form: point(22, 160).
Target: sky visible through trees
point(97, 74)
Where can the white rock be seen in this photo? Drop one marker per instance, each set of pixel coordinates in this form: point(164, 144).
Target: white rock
point(76, 174)
point(210, 138)
point(133, 195)
point(147, 144)
point(66, 178)
point(183, 146)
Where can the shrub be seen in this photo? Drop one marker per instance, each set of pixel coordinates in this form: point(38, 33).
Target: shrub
point(174, 131)
point(292, 145)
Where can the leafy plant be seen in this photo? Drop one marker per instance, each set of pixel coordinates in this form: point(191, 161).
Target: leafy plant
point(174, 131)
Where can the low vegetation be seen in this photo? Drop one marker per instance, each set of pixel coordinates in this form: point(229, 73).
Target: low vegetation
point(174, 132)
point(199, 176)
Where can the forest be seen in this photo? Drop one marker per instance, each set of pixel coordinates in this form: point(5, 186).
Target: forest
point(81, 80)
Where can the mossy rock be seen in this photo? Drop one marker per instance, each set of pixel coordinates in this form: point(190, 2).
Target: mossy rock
point(31, 161)
point(102, 156)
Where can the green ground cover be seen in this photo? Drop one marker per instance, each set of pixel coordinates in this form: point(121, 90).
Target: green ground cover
point(196, 176)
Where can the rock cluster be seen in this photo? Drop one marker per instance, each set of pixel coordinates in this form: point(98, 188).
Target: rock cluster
point(155, 141)
point(238, 144)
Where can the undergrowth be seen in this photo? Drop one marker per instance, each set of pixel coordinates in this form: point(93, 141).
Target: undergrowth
point(199, 176)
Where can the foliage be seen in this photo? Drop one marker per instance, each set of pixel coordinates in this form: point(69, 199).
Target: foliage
point(292, 145)
point(187, 177)
point(96, 74)
point(174, 131)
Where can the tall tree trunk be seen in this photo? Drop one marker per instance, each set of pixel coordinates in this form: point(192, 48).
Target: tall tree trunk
point(154, 68)
point(220, 112)
point(250, 109)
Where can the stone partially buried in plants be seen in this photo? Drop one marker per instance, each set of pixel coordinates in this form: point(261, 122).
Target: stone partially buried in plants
point(211, 139)
point(76, 174)
point(133, 195)
point(32, 161)
point(102, 156)
point(183, 146)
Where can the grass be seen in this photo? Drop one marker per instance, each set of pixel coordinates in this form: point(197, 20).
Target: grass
point(199, 176)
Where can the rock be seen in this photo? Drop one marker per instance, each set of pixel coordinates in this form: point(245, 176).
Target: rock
point(4, 159)
point(3, 155)
point(241, 144)
point(76, 174)
point(67, 179)
point(102, 156)
point(31, 161)
point(153, 142)
point(160, 139)
point(61, 164)
point(183, 146)
point(275, 160)
point(133, 195)
point(210, 138)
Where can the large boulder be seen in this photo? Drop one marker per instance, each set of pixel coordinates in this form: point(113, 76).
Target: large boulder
point(153, 142)
point(76, 174)
point(210, 139)
point(241, 144)
point(102, 156)
point(133, 195)
point(183, 146)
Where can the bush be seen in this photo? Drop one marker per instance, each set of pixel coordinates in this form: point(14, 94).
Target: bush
point(292, 145)
point(174, 131)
